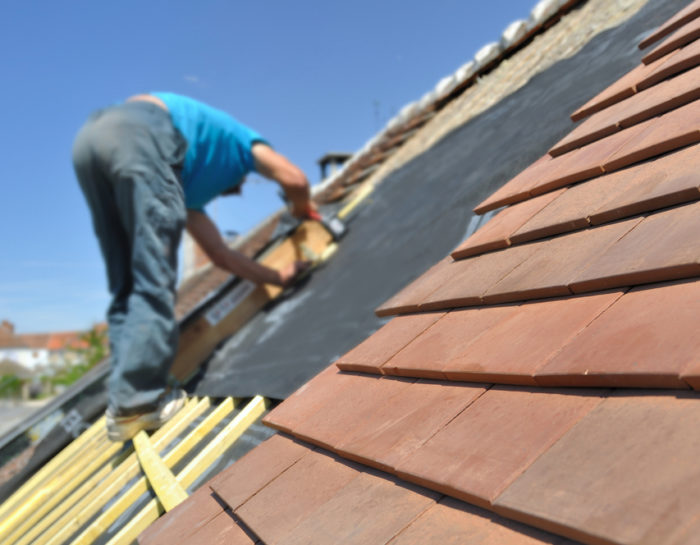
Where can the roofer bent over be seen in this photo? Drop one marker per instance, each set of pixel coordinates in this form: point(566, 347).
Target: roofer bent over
point(147, 168)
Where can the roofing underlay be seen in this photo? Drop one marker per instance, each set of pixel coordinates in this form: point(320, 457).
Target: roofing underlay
point(537, 385)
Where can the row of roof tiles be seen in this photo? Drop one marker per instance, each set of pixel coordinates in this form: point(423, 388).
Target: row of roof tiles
point(370, 449)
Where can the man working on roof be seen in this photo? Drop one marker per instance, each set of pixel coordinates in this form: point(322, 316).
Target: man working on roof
point(147, 168)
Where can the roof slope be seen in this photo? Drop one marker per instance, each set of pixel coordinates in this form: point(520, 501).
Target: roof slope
point(406, 225)
point(458, 399)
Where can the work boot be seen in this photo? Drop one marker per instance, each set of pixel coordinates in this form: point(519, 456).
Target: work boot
point(122, 428)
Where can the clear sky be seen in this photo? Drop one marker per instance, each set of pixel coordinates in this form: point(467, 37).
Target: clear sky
point(311, 76)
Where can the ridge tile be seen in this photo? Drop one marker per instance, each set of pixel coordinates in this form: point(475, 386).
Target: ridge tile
point(473, 459)
point(622, 474)
point(643, 340)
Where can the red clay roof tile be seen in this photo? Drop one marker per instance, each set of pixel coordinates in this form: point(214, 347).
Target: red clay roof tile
point(296, 494)
point(452, 522)
point(549, 271)
point(511, 351)
point(645, 340)
point(449, 337)
point(369, 355)
point(369, 509)
point(474, 459)
point(408, 298)
point(247, 476)
point(663, 247)
point(681, 37)
point(681, 18)
point(621, 475)
point(496, 233)
point(405, 423)
point(222, 530)
point(674, 63)
point(470, 278)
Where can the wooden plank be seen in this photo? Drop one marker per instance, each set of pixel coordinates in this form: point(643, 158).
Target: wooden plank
point(116, 509)
point(63, 457)
point(56, 489)
point(194, 469)
point(161, 479)
point(84, 508)
point(199, 339)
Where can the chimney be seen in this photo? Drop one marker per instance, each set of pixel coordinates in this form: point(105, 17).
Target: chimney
point(7, 329)
point(335, 160)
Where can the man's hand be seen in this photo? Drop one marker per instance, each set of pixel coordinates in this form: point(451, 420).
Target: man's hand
point(306, 211)
point(292, 271)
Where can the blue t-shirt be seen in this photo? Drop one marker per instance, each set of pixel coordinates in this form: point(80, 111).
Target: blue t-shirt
point(218, 149)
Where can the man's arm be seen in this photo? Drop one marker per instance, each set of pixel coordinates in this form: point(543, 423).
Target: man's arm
point(206, 234)
point(291, 179)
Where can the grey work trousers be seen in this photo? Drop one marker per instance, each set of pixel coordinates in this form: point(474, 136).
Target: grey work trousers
point(128, 159)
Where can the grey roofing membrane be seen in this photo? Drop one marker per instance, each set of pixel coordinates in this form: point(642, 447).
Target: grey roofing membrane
point(415, 217)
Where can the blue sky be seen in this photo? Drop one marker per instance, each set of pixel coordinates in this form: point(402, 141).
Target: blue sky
point(311, 76)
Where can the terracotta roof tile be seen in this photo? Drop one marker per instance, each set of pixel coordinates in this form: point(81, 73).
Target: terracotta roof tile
point(401, 425)
point(452, 522)
point(369, 509)
point(429, 352)
point(683, 17)
point(408, 298)
point(222, 530)
point(621, 475)
point(251, 473)
point(670, 65)
point(369, 355)
point(644, 105)
point(496, 233)
point(683, 36)
point(294, 495)
point(473, 459)
point(513, 350)
point(662, 247)
point(645, 339)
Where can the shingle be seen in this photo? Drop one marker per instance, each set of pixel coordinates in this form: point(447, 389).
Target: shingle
point(472, 277)
point(496, 233)
point(473, 458)
point(513, 350)
point(623, 474)
point(671, 131)
point(663, 247)
point(369, 509)
point(188, 517)
point(247, 476)
point(452, 522)
point(408, 298)
point(222, 530)
point(294, 495)
point(369, 355)
point(681, 18)
point(644, 340)
point(674, 63)
point(644, 105)
point(683, 36)
point(549, 271)
point(411, 418)
point(428, 353)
